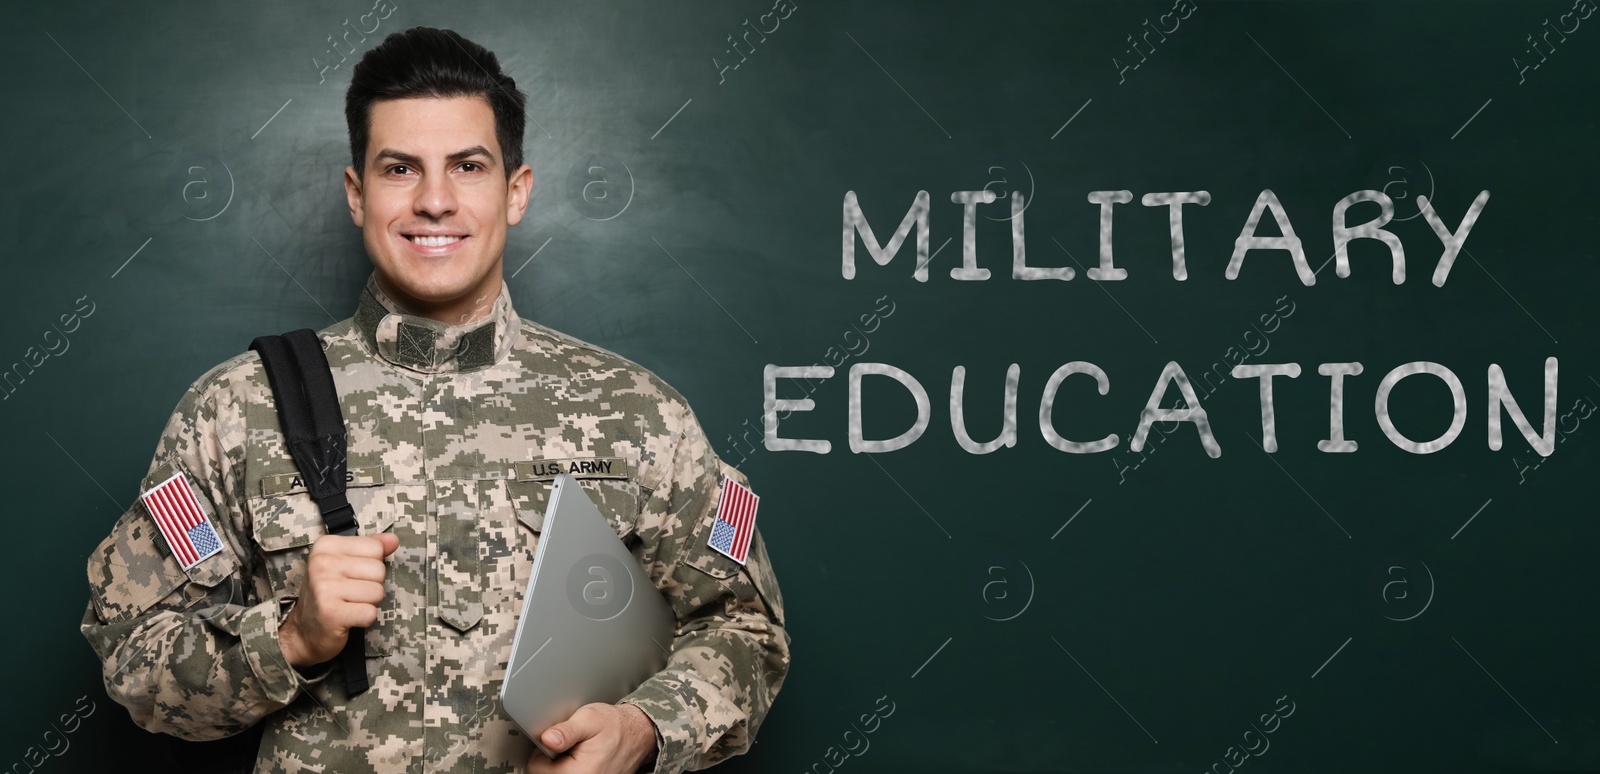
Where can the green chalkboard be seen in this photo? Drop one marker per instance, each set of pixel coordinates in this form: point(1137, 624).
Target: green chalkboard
point(173, 179)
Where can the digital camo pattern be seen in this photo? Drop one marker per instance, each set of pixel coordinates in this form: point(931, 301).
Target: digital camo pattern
point(450, 431)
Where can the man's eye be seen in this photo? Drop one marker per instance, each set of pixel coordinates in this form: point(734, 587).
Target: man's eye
point(399, 167)
point(474, 167)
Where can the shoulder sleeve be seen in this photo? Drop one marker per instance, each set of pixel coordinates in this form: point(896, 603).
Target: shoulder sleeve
point(731, 651)
point(184, 645)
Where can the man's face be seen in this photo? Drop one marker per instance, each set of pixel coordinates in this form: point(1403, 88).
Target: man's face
point(434, 202)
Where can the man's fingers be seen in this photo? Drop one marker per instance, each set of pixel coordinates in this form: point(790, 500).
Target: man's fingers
point(367, 546)
point(360, 568)
point(584, 723)
point(558, 737)
point(351, 615)
point(389, 540)
point(349, 604)
point(357, 591)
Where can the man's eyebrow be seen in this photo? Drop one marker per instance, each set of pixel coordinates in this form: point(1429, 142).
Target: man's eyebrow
point(404, 158)
point(467, 153)
point(460, 155)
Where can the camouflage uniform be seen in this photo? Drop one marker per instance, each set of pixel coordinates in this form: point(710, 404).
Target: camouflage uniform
point(451, 429)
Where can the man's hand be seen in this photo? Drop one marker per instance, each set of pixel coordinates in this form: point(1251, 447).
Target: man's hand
point(342, 589)
point(600, 739)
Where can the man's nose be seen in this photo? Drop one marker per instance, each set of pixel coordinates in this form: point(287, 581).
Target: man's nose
point(435, 196)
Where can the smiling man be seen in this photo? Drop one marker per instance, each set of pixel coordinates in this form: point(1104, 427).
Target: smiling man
point(455, 408)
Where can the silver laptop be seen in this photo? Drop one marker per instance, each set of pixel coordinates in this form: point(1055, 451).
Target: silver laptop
point(593, 625)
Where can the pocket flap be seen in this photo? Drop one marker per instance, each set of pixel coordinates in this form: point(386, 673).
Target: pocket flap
point(127, 572)
point(285, 521)
point(710, 561)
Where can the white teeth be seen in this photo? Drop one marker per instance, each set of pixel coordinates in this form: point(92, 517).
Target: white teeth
point(435, 241)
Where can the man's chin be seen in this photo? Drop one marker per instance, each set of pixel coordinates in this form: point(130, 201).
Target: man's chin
point(427, 286)
point(421, 287)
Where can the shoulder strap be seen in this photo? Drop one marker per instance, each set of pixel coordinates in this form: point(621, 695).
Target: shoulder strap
point(308, 410)
point(313, 425)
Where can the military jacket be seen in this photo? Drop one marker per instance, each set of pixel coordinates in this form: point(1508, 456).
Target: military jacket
point(454, 434)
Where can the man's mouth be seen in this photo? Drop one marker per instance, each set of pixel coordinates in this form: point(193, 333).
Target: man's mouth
point(425, 240)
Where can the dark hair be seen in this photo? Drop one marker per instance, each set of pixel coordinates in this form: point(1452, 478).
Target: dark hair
point(430, 62)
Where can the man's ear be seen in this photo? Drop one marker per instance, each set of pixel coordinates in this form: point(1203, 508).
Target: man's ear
point(352, 193)
point(517, 190)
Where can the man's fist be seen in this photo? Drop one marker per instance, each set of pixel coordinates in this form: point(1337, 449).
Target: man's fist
point(342, 589)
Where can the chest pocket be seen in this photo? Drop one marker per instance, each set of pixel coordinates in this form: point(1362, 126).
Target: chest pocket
point(608, 481)
point(286, 522)
point(488, 532)
point(613, 489)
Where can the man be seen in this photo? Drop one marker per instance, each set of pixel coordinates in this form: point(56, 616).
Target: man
point(455, 408)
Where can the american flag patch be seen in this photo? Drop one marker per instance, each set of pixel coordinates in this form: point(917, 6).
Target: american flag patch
point(187, 530)
point(736, 520)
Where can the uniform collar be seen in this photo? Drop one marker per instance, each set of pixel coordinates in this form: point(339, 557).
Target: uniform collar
point(430, 346)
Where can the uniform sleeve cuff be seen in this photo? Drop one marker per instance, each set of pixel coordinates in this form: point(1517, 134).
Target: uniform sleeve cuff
point(672, 719)
point(258, 633)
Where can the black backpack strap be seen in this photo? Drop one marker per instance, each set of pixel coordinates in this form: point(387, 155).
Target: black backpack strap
point(308, 411)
